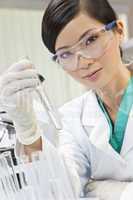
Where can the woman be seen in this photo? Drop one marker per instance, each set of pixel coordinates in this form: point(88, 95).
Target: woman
point(85, 37)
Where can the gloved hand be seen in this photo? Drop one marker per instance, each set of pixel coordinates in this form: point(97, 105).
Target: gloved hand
point(16, 88)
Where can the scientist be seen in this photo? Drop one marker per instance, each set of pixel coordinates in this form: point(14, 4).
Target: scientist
point(85, 37)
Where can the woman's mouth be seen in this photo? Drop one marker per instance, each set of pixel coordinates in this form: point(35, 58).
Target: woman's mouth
point(93, 76)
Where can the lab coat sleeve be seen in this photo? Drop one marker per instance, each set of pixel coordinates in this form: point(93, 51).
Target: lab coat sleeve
point(76, 161)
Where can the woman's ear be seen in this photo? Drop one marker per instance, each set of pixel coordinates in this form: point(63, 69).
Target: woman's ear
point(120, 30)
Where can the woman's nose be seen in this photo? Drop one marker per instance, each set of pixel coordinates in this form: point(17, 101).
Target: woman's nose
point(84, 63)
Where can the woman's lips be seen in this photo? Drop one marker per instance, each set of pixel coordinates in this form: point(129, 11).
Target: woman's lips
point(93, 75)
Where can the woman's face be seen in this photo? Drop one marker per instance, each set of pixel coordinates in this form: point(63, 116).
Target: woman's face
point(108, 64)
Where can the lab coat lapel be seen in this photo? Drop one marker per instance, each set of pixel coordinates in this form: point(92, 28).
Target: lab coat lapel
point(128, 138)
point(93, 117)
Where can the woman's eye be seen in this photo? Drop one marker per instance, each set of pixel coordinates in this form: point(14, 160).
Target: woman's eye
point(91, 39)
point(65, 55)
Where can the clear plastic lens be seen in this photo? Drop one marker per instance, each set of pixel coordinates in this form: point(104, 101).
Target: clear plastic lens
point(91, 46)
point(97, 47)
point(91, 40)
point(66, 55)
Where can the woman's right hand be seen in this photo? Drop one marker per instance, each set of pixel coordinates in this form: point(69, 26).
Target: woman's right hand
point(16, 86)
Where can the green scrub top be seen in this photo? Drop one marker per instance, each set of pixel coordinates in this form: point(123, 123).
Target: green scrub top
point(117, 130)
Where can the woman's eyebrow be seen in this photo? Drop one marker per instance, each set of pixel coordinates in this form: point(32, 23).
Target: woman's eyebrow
point(63, 47)
point(88, 31)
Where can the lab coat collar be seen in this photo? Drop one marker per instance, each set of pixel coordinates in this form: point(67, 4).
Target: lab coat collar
point(91, 111)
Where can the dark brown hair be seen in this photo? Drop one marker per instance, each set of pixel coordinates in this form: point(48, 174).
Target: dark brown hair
point(60, 12)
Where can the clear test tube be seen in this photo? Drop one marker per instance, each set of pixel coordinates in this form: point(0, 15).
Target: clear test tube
point(20, 172)
point(30, 178)
point(60, 174)
point(7, 181)
point(3, 189)
point(8, 157)
point(25, 178)
point(50, 109)
point(41, 170)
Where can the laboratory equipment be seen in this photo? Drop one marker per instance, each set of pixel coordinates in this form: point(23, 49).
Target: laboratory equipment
point(42, 177)
point(39, 179)
point(7, 135)
point(50, 109)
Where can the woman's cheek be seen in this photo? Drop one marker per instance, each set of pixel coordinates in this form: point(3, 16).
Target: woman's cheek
point(110, 59)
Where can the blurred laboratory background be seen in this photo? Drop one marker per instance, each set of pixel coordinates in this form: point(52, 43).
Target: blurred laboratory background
point(20, 36)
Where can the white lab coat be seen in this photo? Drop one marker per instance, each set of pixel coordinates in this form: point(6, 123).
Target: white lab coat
point(94, 165)
point(89, 137)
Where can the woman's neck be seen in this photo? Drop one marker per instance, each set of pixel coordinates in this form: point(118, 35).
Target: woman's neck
point(112, 93)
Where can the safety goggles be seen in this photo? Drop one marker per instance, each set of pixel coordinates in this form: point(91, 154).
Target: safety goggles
point(92, 45)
